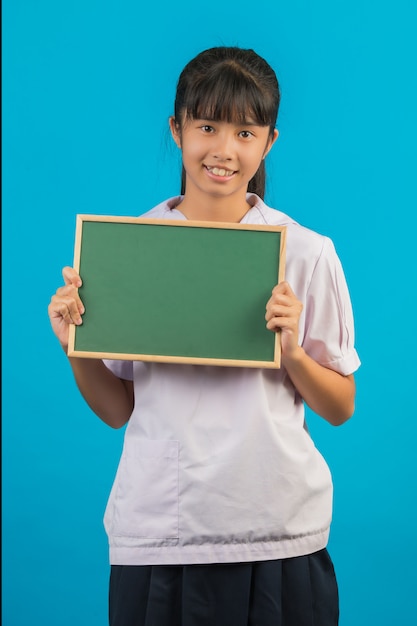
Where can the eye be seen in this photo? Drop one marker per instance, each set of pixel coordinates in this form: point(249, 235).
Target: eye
point(206, 128)
point(245, 134)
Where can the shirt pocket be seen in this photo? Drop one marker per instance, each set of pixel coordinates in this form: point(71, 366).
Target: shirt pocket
point(146, 499)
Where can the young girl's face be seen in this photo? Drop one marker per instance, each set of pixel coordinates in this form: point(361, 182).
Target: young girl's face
point(220, 158)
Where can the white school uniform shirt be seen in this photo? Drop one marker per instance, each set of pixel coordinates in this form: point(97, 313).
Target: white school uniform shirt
point(217, 463)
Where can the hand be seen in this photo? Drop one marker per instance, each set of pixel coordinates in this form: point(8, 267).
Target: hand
point(283, 312)
point(66, 307)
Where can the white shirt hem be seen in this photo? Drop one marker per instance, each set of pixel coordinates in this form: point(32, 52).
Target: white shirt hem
point(222, 553)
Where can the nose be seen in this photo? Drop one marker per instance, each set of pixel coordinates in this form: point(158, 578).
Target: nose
point(223, 147)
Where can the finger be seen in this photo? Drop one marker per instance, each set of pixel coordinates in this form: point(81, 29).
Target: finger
point(276, 310)
point(283, 288)
point(71, 277)
point(282, 323)
point(284, 303)
point(65, 308)
point(282, 294)
point(69, 291)
point(283, 315)
point(281, 300)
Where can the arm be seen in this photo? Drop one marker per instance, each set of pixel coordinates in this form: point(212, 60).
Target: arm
point(110, 397)
point(325, 391)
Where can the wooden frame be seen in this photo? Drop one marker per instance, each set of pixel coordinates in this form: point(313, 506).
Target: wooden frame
point(177, 291)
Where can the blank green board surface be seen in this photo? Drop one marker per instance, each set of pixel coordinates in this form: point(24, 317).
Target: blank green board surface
point(177, 291)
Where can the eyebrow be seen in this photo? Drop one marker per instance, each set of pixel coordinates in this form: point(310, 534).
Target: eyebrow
point(236, 123)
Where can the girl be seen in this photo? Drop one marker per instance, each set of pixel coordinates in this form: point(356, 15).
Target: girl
point(221, 506)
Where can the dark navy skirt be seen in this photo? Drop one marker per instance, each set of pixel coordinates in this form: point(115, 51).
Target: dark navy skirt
point(300, 591)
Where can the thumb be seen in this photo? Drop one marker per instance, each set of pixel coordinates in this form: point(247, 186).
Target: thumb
point(71, 277)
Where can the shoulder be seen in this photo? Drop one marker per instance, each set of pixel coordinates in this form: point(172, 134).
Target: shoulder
point(301, 242)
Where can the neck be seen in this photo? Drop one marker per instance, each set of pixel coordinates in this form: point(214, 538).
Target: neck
point(214, 209)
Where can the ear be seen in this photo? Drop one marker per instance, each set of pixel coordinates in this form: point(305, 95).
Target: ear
point(271, 142)
point(175, 131)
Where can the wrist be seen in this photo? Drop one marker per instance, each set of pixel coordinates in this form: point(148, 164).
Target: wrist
point(64, 346)
point(294, 357)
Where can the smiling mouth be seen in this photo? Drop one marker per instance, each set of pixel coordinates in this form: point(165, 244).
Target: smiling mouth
point(220, 171)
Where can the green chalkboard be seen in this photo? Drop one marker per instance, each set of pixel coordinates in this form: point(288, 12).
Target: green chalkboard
point(177, 291)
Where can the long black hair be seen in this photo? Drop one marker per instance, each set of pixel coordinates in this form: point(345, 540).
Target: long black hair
point(229, 84)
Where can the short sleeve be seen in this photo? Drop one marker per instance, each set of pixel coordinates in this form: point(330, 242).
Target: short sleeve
point(329, 327)
point(121, 369)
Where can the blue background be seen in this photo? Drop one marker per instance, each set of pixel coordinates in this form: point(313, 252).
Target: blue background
point(87, 90)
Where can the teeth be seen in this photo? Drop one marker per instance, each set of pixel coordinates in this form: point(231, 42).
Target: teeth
point(220, 171)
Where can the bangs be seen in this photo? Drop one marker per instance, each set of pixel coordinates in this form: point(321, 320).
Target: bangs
point(230, 96)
